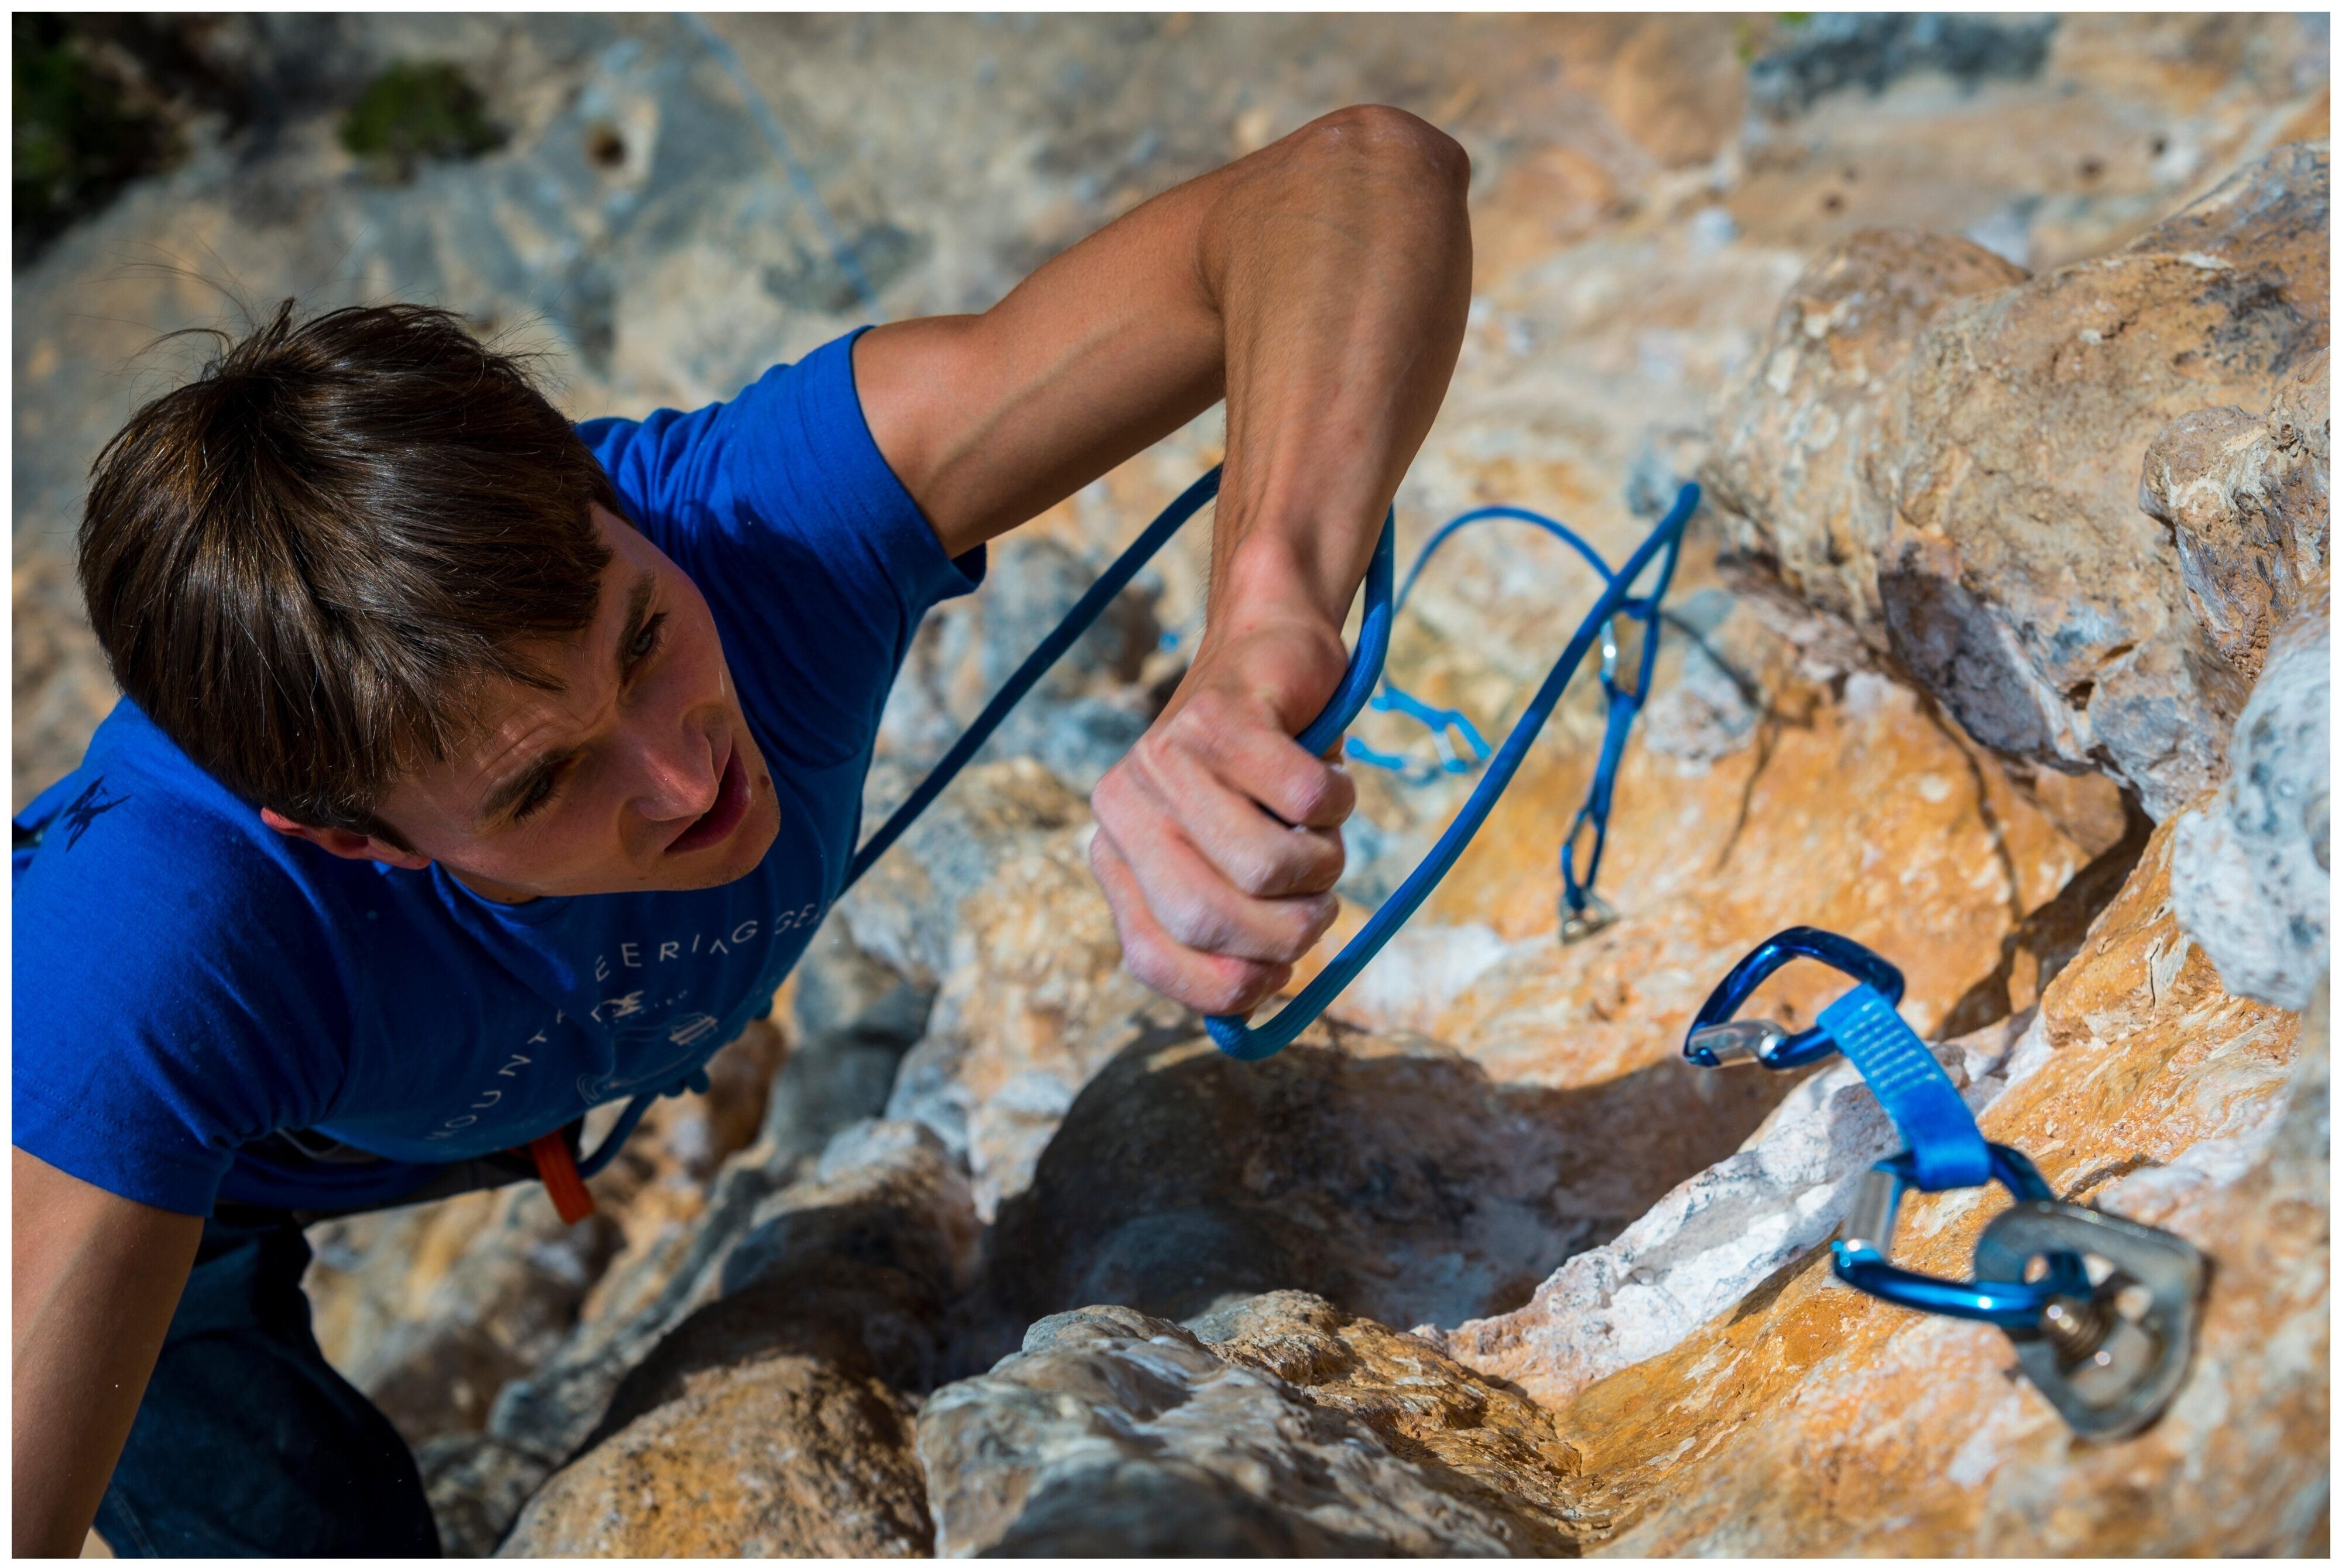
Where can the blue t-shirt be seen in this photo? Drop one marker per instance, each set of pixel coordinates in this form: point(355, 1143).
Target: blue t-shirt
point(189, 982)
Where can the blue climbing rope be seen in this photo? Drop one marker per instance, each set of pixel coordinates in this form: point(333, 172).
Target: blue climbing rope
point(1944, 1149)
point(1583, 911)
point(1231, 1033)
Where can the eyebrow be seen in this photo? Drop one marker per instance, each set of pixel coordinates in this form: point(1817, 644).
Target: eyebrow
point(514, 790)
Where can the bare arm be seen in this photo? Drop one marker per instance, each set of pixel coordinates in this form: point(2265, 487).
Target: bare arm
point(1321, 286)
point(96, 1280)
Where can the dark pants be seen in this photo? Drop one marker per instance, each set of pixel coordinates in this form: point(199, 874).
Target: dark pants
point(247, 1444)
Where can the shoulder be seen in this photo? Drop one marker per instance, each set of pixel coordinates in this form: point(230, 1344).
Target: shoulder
point(177, 991)
point(791, 448)
point(143, 887)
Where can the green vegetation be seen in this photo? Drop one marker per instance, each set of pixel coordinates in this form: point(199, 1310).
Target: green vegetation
point(415, 111)
point(81, 132)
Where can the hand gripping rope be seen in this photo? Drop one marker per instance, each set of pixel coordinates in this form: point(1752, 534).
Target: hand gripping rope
point(1229, 1033)
point(2107, 1347)
point(1633, 654)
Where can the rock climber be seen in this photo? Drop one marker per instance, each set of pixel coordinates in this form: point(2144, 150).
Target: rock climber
point(475, 768)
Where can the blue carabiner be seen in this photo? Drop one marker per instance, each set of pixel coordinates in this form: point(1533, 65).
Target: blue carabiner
point(1860, 1256)
point(1944, 1149)
point(1709, 1034)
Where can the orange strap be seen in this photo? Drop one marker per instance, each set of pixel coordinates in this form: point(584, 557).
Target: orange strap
point(557, 1169)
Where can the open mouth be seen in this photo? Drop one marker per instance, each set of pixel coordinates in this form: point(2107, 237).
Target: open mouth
point(717, 821)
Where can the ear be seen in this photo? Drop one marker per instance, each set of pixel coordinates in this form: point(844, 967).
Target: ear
point(349, 845)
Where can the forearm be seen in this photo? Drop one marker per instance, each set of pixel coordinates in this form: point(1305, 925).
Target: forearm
point(1342, 274)
point(96, 1278)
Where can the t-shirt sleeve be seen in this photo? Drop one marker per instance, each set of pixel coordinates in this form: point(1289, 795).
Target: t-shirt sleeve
point(815, 560)
point(150, 1033)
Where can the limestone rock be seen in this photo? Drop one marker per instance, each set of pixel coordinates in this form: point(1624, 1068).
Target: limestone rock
point(787, 1456)
point(907, 911)
point(2143, 1087)
point(1081, 716)
point(1033, 997)
point(2246, 503)
point(2251, 877)
point(852, 1263)
point(854, 1018)
point(1799, 437)
point(1856, 806)
point(1114, 1433)
point(1704, 1246)
point(2018, 583)
point(431, 1309)
point(1388, 1174)
point(477, 1485)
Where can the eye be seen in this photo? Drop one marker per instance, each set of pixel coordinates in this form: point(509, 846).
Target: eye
point(539, 792)
point(646, 641)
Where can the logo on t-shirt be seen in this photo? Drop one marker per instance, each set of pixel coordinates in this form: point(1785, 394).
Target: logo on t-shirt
point(88, 807)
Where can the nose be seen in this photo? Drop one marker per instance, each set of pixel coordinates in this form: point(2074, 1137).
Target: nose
point(681, 772)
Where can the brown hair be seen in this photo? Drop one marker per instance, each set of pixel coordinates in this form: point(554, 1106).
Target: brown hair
point(301, 564)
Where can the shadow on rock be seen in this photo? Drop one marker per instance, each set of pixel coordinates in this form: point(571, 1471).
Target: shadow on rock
point(1389, 1175)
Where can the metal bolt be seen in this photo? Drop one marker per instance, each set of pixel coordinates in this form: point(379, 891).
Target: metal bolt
point(2074, 1327)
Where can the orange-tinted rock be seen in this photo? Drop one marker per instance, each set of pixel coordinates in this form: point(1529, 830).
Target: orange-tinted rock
point(785, 1457)
point(1852, 806)
point(2144, 1087)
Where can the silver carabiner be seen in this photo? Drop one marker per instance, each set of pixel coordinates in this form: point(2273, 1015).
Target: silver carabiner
point(2109, 1362)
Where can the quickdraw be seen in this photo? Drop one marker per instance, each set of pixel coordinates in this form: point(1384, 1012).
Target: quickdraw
point(1630, 645)
point(2106, 1346)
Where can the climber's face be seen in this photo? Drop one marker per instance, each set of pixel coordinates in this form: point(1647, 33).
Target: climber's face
point(634, 771)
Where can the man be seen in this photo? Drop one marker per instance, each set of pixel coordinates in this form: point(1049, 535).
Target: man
point(474, 769)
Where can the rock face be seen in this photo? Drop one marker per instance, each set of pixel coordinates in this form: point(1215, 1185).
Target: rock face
point(2246, 503)
point(2143, 1088)
point(1800, 439)
point(2251, 877)
point(786, 1456)
point(1004, 1258)
point(2015, 579)
point(1299, 1433)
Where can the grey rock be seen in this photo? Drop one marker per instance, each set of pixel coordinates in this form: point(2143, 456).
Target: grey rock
point(1831, 52)
point(1390, 1175)
point(1972, 506)
point(477, 1486)
point(853, 1263)
point(905, 912)
point(855, 1019)
point(1114, 1433)
point(2251, 877)
point(2247, 502)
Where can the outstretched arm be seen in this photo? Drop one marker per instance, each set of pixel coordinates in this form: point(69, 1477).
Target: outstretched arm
point(97, 1278)
point(1320, 286)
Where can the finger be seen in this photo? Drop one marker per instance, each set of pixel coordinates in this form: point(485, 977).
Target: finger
point(1208, 983)
point(1259, 855)
point(1196, 906)
point(1241, 744)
